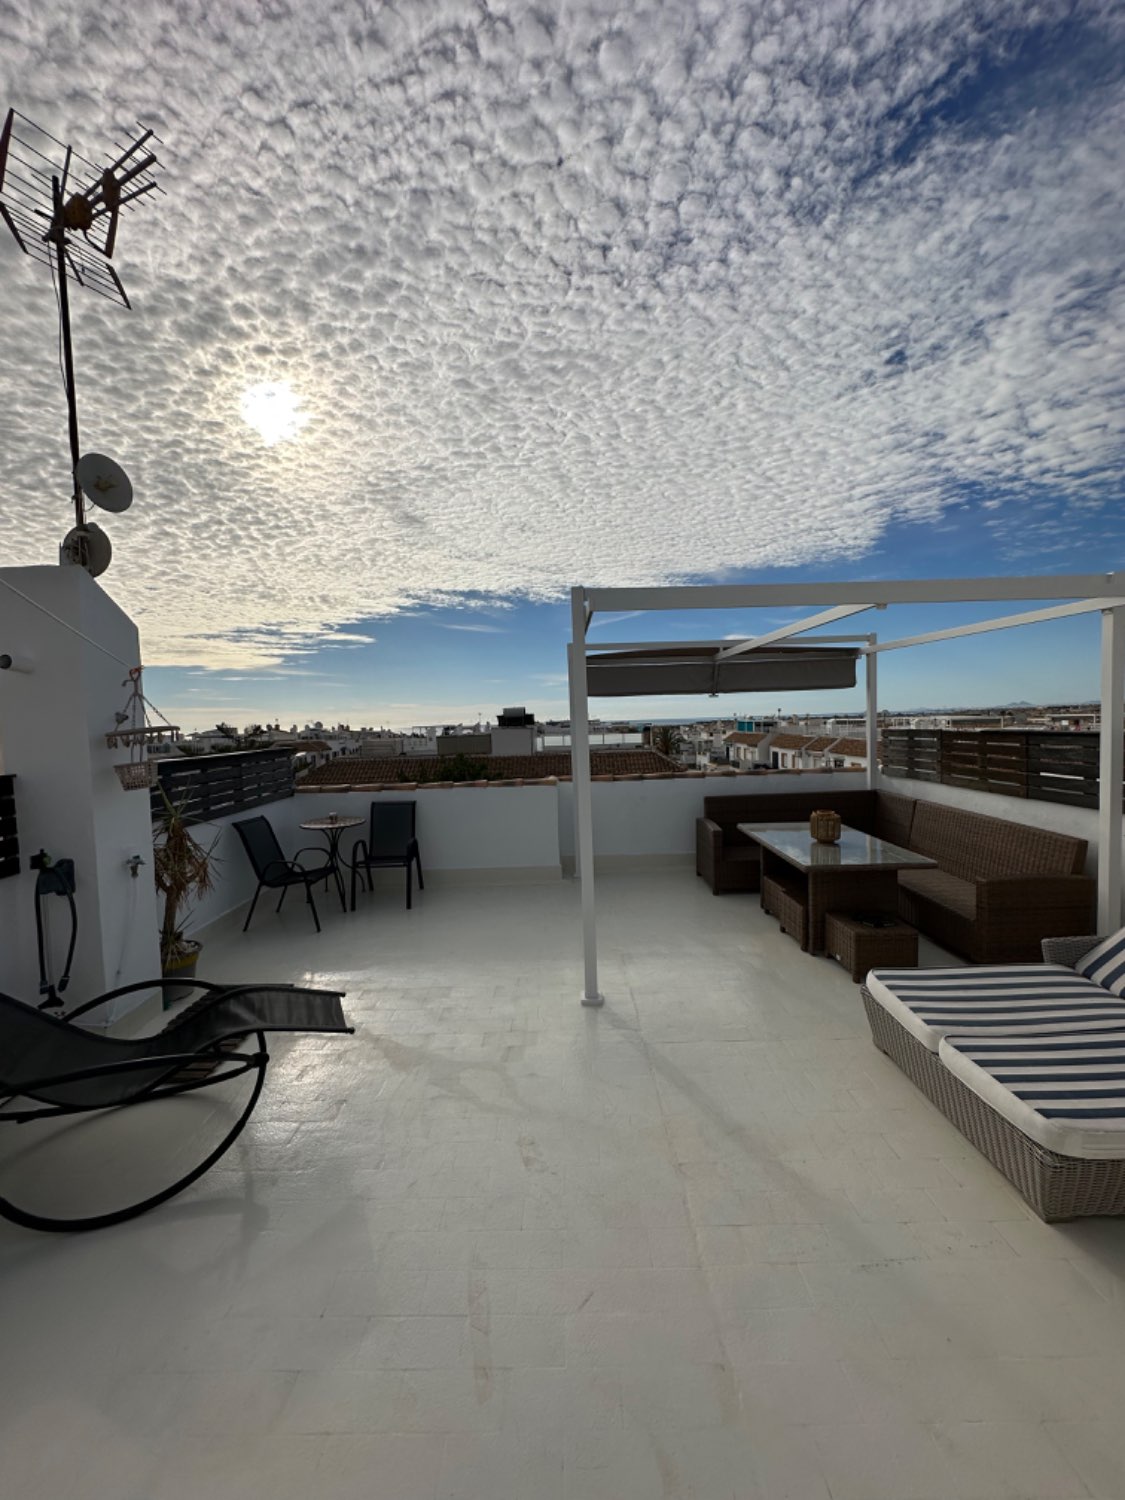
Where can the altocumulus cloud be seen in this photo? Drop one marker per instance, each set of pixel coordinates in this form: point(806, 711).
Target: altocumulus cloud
point(594, 293)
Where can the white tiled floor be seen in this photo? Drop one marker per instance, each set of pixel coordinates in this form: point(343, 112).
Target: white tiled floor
point(704, 1243)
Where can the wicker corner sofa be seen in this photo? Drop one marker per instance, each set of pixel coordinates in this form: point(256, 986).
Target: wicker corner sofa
point(999, 889)
point(1027, 1060)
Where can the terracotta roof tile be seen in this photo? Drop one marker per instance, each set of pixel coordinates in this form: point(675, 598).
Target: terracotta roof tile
point(743, 737)
point(790, 741)
point(821, 742)
point(856, 748)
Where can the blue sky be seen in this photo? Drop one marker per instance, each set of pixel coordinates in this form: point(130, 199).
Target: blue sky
point(470, 305)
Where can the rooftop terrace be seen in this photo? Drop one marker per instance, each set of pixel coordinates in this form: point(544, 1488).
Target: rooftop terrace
point(705, 1242)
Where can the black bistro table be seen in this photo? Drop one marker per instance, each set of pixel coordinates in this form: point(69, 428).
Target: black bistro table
point(332, 827)
point(803, 880)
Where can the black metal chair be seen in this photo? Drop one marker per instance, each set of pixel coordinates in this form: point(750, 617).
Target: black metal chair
point(390, 844)
point(275, 872)
point(50, 1068)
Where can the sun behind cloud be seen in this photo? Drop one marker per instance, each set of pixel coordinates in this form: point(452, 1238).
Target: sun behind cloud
point(274, 409)
point(625, 295)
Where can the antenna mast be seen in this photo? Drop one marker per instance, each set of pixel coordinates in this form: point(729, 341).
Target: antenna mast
point(72, 230)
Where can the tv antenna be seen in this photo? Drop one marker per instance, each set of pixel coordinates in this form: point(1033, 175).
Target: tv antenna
point(63, 211)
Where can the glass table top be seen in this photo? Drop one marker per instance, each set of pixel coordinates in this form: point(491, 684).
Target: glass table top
point(855, 850)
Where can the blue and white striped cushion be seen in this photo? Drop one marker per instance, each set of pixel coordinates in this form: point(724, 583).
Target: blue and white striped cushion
point(999, 1000)
point(1066, 1092)
point(1105, 964)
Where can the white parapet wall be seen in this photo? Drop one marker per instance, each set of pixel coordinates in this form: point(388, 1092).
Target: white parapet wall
point(465, 833)
point(653, 822)
point(75, 643)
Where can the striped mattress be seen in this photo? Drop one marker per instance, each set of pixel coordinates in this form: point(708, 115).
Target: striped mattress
point(1066, 1092)
point(999, 1000)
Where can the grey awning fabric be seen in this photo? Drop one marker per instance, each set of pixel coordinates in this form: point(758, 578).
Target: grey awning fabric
point(696, 669)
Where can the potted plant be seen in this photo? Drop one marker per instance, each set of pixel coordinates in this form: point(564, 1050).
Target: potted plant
point(184, 871)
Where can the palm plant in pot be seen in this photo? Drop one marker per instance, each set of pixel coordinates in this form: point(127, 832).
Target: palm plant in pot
point(184, 871)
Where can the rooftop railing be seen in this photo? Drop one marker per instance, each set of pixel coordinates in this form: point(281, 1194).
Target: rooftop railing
point(9, 840)
point(1045, 766)
point(206, 787)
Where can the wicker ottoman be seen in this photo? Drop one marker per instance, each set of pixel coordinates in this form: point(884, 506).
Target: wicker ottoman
point(860, 948)
point(787, 904)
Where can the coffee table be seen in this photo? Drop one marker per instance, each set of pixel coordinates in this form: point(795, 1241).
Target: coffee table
point(803, 880)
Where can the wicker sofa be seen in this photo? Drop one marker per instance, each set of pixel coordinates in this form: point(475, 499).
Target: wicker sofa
point(1027, 1060)
point(1000, 887)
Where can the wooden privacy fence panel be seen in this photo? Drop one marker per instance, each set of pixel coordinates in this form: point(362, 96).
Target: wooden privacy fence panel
point(912, 752)
point(987, 762)
point(1046, 767)
point(9, 840)
point(205, 787)
point(1064, 768)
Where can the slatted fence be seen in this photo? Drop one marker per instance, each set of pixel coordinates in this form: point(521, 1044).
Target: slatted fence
point(1045, 766)
point(9, 834)
point(206, 787)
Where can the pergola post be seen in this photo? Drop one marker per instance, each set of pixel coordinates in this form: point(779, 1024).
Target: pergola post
point(870, 670)
point(583, 800)
point(1111, 770)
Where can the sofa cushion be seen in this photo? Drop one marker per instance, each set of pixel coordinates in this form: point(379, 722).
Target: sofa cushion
point(942, 833)
point(742, 854)
point(947, 890)
point(894, 816)
point(1067, 1092)
point(996, 1000)
point(1105, 964)
point(856, 806)
point(976, 847)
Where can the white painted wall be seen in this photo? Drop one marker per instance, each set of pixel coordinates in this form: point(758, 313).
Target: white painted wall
point(479, 833)
point(514, 739)
point(647, 819)
point(53, 723)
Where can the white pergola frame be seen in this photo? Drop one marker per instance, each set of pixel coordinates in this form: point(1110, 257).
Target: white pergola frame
point(1088, 593)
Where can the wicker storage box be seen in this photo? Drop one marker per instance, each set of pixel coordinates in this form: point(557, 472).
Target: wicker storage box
point(860, 948)
point(787, 904)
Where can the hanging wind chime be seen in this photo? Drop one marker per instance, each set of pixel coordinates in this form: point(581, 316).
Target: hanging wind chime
point(135, 731)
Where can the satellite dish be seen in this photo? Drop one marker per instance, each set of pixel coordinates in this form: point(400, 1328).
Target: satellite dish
point(103, 482)
point(87, 547)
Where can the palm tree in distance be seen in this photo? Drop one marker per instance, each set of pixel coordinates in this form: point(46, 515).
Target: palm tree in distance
point(667, 740)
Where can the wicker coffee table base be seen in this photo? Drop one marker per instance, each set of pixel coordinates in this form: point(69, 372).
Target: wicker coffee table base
point(1056, 1187)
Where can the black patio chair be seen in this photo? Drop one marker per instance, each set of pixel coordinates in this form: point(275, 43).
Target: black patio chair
point(275, 872)
point(50, 1068)
point(390, 844)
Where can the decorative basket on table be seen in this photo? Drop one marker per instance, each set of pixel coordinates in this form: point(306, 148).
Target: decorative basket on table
point(825, 826)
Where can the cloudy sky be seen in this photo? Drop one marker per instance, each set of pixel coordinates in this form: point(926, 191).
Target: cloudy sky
point(452, 305)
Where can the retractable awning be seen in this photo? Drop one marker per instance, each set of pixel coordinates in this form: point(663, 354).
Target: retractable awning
point(704, 669)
